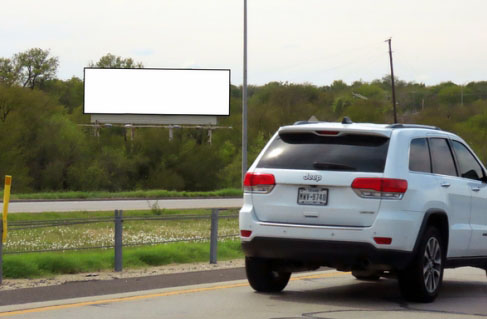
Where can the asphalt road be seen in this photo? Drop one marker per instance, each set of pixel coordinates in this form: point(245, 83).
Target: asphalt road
point(108, 205)
point(89, 288)
point(329, 294)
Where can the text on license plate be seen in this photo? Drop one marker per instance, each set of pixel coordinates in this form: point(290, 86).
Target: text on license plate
point(312, 196)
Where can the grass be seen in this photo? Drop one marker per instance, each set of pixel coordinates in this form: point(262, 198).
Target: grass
point(227, 192)
point(102, 233)
point(31, 265)
point(49, 264)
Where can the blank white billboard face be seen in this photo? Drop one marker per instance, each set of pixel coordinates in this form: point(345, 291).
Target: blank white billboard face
point(157, 91)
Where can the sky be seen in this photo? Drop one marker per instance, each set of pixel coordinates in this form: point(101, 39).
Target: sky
point(296, 41)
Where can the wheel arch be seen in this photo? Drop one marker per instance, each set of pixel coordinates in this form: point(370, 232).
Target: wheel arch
point(438, 218)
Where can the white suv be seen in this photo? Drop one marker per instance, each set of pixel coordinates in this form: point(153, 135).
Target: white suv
point(405, 200)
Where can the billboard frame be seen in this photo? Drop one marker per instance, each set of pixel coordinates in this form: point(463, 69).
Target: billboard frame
point(158, 114)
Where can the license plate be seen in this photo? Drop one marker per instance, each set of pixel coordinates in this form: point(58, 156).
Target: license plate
point(312, 196)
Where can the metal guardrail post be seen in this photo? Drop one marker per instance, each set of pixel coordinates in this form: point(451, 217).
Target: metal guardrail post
point(118, 239)
point(214, 236)
point(1, 251)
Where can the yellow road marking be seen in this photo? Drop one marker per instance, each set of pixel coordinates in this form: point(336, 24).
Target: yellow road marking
point(148, 296)
point(332, 274)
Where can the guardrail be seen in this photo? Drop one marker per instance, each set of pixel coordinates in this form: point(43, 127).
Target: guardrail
point(118, 221)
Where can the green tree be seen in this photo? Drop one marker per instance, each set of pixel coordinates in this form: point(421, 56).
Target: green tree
point(338, 86)
point(478, 90)
point(9, 98)
point(372, 91)
point(35, 66)
point(68, 92)
point(450, 94)
point(9, 72)
point(112, 61)
point(21, 135)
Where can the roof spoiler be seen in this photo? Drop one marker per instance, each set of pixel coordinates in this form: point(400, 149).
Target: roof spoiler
point(346, 120)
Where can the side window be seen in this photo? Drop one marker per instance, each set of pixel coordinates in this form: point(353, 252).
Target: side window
point(419, 156)
point(441, 157)
point(469, 167)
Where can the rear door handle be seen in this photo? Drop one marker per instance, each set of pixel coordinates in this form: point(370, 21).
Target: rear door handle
point(475, 188)
point(445, 185)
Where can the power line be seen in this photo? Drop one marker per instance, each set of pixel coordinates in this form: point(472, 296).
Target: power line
point(357, 50)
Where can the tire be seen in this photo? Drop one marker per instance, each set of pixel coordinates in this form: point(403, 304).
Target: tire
point(261, 276)
point(367, 275)
point(422, 280)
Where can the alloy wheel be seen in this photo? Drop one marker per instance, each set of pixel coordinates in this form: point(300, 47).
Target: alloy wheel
point(432, 265)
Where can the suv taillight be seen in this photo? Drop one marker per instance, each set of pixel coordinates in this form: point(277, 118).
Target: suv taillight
point(259, 183)
point(380, 188)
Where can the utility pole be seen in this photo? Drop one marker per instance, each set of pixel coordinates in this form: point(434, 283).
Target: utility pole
point(244, 97)
point(392, 81)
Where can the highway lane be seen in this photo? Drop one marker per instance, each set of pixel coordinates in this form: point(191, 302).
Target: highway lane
point(328, 294)
point(108, 205)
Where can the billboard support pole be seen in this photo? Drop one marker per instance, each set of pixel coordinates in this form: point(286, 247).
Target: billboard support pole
point(244, 98)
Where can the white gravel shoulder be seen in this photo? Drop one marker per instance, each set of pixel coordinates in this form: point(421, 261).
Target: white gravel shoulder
point(9, 284)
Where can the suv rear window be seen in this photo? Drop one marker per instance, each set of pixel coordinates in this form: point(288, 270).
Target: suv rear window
point(308, 151)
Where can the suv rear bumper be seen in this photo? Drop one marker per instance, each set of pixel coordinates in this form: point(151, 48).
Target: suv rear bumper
point(401, 226)
point(336, 254)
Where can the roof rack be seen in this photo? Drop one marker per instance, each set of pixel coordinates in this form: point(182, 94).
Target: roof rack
point(302, 122)
point(347, 120)
point(428, 127)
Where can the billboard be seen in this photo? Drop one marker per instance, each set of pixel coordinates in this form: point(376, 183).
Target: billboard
point(186, 92)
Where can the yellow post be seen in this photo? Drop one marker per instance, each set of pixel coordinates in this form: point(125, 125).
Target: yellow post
point(6, 200)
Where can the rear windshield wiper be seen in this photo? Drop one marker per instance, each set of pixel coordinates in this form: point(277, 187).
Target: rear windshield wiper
point(333, 166)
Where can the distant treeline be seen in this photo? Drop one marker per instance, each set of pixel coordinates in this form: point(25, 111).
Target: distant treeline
point(44, 148)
